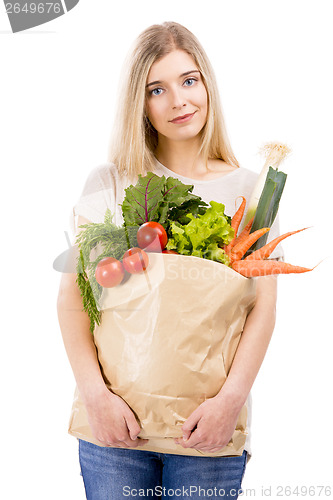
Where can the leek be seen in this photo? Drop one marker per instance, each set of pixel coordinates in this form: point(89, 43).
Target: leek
point(268, 204)
point(275, 153)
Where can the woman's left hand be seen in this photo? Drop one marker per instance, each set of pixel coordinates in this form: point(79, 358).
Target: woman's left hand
point(210, 427)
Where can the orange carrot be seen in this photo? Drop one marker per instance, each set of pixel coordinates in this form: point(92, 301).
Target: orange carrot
point(266, 250)
point(242, 247)
point(235, 221)
point(241, 237)
point(254, 268)
point(245, 233)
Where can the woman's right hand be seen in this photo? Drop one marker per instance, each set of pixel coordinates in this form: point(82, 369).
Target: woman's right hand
point(112, 421)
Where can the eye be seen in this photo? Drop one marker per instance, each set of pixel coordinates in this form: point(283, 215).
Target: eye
point(156, 91)
point(189, 82)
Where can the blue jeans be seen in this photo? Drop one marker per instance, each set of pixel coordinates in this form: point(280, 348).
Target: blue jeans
point(119, 473)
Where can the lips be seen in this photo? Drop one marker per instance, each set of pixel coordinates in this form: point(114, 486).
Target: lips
point(183, 118)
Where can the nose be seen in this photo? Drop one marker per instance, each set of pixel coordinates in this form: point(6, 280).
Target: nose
point(177, 99)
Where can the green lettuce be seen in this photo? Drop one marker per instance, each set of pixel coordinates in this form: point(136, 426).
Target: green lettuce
point(204, 235)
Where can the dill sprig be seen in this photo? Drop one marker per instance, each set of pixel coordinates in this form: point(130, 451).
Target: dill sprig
point(87, 294)
point(99, 240)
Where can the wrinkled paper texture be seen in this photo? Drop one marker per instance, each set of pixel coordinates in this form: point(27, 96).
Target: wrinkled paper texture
point(166, 343)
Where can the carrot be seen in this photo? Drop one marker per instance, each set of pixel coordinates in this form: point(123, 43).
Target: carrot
point(266, 250)
point(242, 247)
point(241, 237)
point(235, 221)
point(254, 268)
point(245, 233)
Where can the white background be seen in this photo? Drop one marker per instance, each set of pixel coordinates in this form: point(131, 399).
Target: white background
point(58, 91)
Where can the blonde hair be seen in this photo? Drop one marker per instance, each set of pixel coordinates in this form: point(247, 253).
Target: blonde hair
point(134, 139)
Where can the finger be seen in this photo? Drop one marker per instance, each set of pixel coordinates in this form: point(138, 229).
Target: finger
point(192, 442)
point(133, 443)
point(119, 443)
point(134, 428)
point(122, 444)
point(190, 423)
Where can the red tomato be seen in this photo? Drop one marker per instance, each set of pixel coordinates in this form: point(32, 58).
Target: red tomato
point(170, 251)
point(152, 236)
point(135, 260)
point(109, 272)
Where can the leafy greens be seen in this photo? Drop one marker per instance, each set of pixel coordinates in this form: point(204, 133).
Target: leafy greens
point(204, 235)
point(193, 228)
point(160, 199)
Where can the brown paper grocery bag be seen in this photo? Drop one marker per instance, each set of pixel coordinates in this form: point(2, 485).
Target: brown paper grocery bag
point(166, 343)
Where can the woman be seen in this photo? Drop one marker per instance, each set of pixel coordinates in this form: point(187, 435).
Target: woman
point(170, 122)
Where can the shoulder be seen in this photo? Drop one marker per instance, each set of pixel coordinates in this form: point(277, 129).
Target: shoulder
point(243, 180)
point(240, 182)
point(101, 191)
point(104, 171)
point(103, 176)
point(247, 174)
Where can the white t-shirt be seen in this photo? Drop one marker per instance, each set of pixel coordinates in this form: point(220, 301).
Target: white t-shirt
point(105, 188)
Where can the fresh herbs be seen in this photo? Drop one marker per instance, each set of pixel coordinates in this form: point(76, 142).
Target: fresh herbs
point(88, 297)
point(106, 240)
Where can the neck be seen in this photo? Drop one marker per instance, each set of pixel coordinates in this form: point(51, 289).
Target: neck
point(181, 156)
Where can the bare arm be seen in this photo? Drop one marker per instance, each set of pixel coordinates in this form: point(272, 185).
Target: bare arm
point(78, 340)
point(216, 418)
point(254, 342)
point(111, 420)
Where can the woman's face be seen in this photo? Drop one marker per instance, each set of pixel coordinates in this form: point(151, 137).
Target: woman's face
point(176, 98)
